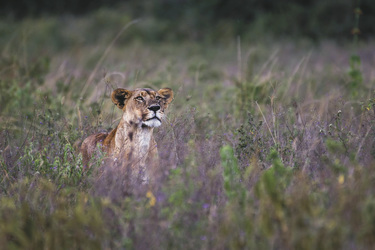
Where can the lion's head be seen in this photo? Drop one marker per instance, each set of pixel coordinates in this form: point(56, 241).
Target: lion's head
point(142, 107)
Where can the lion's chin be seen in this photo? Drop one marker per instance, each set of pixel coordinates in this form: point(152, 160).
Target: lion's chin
point(152, 123)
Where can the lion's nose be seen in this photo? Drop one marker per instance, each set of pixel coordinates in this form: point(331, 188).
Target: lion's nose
point(154, 108)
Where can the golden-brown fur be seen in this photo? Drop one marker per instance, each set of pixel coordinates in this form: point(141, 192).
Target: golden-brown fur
point(132, 142)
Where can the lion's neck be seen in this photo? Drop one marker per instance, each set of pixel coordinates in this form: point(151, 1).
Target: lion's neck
point(132, 141)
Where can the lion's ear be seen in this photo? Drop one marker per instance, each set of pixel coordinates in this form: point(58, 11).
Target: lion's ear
point(167, 93)
point(119, 96)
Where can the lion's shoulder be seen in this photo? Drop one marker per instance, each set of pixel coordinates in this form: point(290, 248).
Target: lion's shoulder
point(89, 146)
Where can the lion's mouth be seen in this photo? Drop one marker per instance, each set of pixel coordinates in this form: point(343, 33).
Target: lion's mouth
point(152, 122)
point(155, 117)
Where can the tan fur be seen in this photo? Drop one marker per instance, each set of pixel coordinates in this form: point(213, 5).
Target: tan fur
point(132, 142)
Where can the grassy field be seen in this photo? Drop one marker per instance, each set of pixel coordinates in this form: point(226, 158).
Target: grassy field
point(268, 144)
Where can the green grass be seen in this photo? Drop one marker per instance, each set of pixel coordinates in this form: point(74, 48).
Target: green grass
point(267, 145)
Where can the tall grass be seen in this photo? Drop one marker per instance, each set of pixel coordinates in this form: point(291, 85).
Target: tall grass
point(264, 147)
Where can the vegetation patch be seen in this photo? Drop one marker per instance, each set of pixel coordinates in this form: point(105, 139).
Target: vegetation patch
point(267, 145)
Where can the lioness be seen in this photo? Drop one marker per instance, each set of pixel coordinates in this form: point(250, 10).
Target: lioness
point(132, 141)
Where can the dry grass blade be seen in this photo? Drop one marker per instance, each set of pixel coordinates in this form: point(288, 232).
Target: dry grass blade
point(107, 50)
point(265, 120)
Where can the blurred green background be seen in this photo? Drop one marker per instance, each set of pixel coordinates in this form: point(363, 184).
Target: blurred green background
point(217, 19)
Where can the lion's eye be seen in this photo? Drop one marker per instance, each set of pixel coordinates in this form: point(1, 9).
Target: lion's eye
point(158, 98)
point(139, 98)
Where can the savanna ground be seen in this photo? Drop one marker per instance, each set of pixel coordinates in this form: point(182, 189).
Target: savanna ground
point(268, 144)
